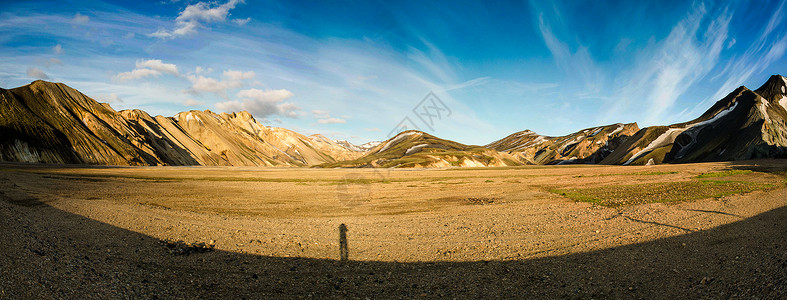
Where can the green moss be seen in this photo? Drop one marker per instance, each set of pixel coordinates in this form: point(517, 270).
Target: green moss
point(630, 174)
point(622, 195)
point(723, 173)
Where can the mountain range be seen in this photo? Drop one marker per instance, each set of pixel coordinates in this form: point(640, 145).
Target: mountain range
point(46, 122)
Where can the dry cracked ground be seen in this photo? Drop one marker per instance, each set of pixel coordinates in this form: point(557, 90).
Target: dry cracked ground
point(710, 230)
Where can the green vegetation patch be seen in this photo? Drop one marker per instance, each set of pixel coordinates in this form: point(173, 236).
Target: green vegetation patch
point(622, 195)
point(630, 174)
point(723, 173)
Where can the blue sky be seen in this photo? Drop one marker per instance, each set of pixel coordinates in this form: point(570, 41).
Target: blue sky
point(355, 69)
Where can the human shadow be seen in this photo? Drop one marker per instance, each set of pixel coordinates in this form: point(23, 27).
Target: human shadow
point(50, 253)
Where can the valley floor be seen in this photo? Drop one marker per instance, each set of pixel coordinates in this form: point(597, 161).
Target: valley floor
point(532, 232)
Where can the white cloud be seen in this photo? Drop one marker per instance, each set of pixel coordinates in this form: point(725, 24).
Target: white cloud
point(324, 117)
point(331, 121)
point(192, 102)
point(136, 74)
point(241, 22)
point(321, 114)
point(58, 49)
point(158, 65)
point(231, 80)
point(80, 19)
point(109, 98)
point(194, 15)
point(36, 73)
point(261, 103)
point(147, 68)
point(238, 75)
point(373, 129)
point(129, 35)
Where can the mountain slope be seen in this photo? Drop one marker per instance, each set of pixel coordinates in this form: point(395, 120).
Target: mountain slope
point(589, 145)
point(339, 150)
point(53, 123)
point(418, 149)
point(745, 124)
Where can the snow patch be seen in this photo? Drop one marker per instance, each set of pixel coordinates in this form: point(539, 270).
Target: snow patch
point(693, 129)
point(619, 129)
point(534, 142)
point(572, 142)
point(189, 117)
point(415, 149)
point(398, 139)
point(663, 140)
point(783, 102)
point(596, 132)
point(568, 161)
point(715, 118)
point(762, 107)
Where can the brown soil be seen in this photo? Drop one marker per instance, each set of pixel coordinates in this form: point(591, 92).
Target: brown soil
point(186, 232)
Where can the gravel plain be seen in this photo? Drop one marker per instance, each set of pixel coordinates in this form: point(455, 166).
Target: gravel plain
point(178, 232)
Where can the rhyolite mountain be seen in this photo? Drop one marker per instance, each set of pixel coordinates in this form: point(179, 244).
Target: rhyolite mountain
point(53, 123)
point(417, 149)
point(589, 145)
point(745, 124)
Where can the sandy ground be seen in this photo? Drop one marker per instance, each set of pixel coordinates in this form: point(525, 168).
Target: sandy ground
point(95, 232)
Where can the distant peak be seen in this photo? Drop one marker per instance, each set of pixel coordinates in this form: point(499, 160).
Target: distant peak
point(409, 132)
point(774, 89)
point(42, 83)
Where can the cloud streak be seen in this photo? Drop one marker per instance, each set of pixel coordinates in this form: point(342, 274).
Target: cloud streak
point(769, 46)
point(665, 70)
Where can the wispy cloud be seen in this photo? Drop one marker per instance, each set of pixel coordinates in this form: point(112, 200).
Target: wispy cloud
point(57, 49)
point(666, 69)
point(36, 73)
point(192, 102)
point(80, 19)
point(262, 103)
point(577, 64)
point(321, 114)
point(769, 46)
point(241, 22)
point(196, 15)
point(147, 68)
point(109, 98)
point(331, 121)
point(230, 79)
point(324, 117)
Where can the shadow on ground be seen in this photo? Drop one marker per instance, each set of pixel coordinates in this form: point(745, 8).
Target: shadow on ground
point(49, 253)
